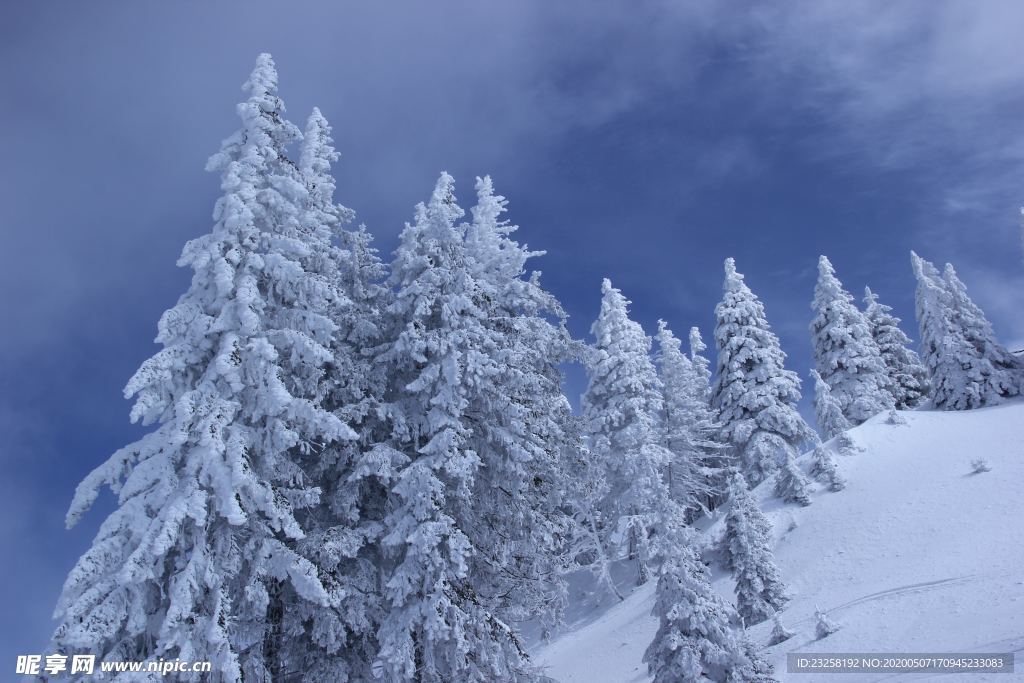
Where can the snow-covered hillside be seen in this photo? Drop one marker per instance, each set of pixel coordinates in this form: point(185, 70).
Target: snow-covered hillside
point(917, 554)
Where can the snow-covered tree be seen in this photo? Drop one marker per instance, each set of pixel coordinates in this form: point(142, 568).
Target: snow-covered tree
point(845, 353)
point(967, 367)
point(894, 418)
point(716, 458)
point(621, 409)
point(791, 485)
point(474, 522)
point(523, 426)
point(695, 640)
point(846, 445)
point(754, 395)
point(827, 409)
point(908, 377)
point(194, 561)
point(780, 633)
point(337, 642)
point(701, 365)
point(687, 424)
point(824, 626)
point(759, 588)
point(1007, 370)
point(824, 469)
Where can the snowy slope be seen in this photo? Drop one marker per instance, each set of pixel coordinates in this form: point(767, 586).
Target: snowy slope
point(917, 554)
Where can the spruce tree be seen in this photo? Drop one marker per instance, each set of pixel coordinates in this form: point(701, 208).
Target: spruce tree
point(909, 378)
point(474, 525)
point(621, 408)
point(1007, 370)
point(695, 640)
point(687, 424)
point(791, 485)
point(824, 469)
point(967, 367)
point(523, 426)
point(754, 395)
point(701, 365)
point(780, 633)
point(716, 459)
point(827, 409)
point(195, 560)
point(824, 626)
point(845, 353)
point(338, 641)
point(759, 588)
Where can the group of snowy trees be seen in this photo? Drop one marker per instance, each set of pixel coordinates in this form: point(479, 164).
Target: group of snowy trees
point(358, 471)
point(364, 471)
point(968, 367)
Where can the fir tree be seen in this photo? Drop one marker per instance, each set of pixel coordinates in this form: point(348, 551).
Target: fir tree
point(823, 626)
point(337, 642)
point(827, 409)
point(695, 641)
point(791, 485)
point(845, 353)
point(1007, 371)
point(759, 589)
point(780, 633)
point(715, 459)
point(194, 561)
point(967, 366)
point(846, 445)
point(475, 523)
point(909, 378)
point(754, 395)
point(701, 365)
point(687, 423)
point(621, 408)
point(894, 418)
point(824, 469)
point(523, 427)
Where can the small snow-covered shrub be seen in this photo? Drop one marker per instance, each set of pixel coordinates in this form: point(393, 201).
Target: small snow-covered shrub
point(894, 418)
point(979, 465)
point(825, 626)
point(779, 632)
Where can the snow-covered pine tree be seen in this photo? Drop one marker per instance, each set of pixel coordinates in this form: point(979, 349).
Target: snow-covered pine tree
point(1007, 370)
point(780, 633)
point(621, 407)
point(960, 363)
point(791, 485)
point(894, 418)
point(338, 642)
point(845, 353)
point(701, 365)
point(827, 409)
point(754, 395)
point(824, 469)
point(846, 445)
point(695, 640)
point(716, 459)
point(522, 425)
point(473, 527)
point(824, 626)
point(909, 378)
point(435, 629)
point(194, 561)
point(687, 425)
point(759, 588)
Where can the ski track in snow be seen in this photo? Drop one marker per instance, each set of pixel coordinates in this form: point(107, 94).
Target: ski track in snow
point(901, 590)
point(917, 554)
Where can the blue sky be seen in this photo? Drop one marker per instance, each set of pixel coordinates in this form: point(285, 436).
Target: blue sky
point(643, 141)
